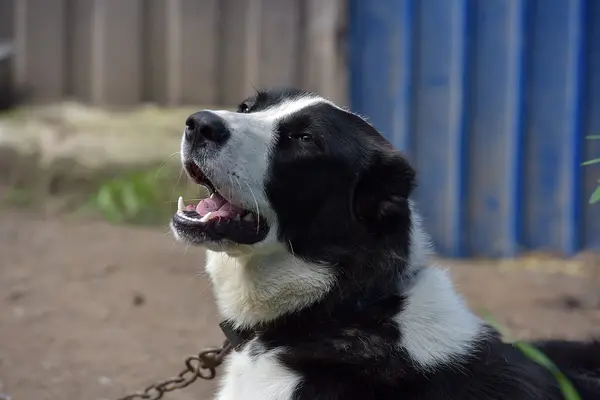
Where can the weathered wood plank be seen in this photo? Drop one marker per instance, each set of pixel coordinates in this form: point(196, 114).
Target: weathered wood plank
point(155, 56)
point(80, 54)
point(106, 52)
point(180, 51)
point(198, 40)
point(40, 47)
point(6, 18)
point(324, 66)
point(116, 52)
point(239, 33)
point(280, 43)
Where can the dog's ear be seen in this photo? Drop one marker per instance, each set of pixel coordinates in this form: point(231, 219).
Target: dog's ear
point(381, 194)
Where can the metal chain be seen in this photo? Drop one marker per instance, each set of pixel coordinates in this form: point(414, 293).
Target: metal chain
point(201, 366)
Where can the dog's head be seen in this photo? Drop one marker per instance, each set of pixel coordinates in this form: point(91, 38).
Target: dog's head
point(306, 197)
point(290, 170)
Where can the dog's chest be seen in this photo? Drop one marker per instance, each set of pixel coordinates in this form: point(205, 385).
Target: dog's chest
point(257, 377)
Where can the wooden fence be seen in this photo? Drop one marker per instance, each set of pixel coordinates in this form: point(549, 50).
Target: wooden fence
point(211, 52)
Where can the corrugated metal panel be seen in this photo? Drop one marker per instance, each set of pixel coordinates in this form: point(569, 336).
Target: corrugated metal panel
point(591, 124)
point(491, 100)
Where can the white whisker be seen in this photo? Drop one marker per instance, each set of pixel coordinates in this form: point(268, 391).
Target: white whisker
point(164, 164)
point(256, 205)
point(238, 183)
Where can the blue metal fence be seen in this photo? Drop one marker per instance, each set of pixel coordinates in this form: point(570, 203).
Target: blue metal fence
point(492, 101)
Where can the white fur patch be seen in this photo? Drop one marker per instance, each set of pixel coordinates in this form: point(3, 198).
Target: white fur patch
point(421, 247)
point(255, 288)
point(261, 378)
point(288, 107)
point(436, 325)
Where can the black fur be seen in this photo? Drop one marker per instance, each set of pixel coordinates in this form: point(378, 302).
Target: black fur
point(341, 197)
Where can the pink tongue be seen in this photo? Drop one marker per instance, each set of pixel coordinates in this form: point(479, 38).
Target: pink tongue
point(218, 206)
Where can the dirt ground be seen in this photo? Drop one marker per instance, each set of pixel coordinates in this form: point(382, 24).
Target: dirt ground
point(91, 311)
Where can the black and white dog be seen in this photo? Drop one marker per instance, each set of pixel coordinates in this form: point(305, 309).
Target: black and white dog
point(316, 254)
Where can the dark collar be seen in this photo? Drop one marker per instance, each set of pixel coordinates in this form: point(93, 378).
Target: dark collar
point(237, 337)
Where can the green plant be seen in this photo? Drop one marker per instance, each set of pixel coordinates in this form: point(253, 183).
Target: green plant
point(595, 197)
point(141, 197)
point(19, 197)
point(568, 390)
point(128, 198)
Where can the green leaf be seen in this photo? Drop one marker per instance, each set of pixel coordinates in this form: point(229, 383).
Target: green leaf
point(495, 324)
point(131, 200)
point(595, 197)
point(146, 189)
point(107, 203)
point(590, 162)
point(566, 387)
point(534, 354)
point(593, 137)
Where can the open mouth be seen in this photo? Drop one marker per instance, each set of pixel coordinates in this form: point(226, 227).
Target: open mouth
point(216, 219)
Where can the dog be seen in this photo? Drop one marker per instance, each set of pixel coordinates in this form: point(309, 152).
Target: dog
point(322, 270)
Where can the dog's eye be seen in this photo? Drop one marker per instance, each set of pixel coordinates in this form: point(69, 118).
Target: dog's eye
point(303, 137)
point(243, 108)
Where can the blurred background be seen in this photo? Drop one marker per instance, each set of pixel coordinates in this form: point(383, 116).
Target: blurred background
point(496, 103)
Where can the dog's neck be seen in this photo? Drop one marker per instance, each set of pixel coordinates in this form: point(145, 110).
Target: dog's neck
point(255, 289)
point(436, 325)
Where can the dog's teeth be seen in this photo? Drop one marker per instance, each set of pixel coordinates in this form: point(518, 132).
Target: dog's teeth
point(206, 217)
point(180, 204)
point(249, 217)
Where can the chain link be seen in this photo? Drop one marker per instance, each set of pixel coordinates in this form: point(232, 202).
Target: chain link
point(201, 366)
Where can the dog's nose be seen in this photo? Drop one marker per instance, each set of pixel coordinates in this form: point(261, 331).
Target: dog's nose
point(206, 126)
